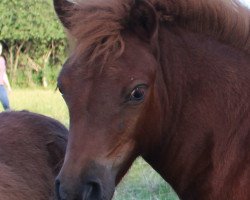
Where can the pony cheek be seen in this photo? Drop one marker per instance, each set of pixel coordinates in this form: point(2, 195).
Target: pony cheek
point(119, 157)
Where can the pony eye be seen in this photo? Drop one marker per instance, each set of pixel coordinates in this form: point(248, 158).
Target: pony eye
point(137, 94)
point(59, 88)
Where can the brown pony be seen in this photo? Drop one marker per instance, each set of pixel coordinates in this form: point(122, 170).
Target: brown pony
point(32, 147)
point(165, 79)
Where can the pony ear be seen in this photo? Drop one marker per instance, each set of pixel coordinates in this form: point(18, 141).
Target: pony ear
point(63, 9)
point(144, 20)
point(56, 150)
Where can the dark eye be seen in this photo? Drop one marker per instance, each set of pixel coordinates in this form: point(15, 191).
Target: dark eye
point(60, 90)
point(59, 87)
point(137, 94)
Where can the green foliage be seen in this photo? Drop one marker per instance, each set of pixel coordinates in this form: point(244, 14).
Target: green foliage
point(29, 20)
point(34, 41)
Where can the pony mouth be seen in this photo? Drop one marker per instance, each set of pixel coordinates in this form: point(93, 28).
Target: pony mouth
point(90, 194)
point(87, 193)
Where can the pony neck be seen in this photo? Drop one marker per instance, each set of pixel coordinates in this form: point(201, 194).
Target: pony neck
point(207, 124)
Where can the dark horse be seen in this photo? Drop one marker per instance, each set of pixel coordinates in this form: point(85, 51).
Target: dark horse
point(32, 148)
point(165, 79)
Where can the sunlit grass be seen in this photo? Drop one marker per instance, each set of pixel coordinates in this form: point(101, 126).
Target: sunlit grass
point(141, 183)
point(47, 102)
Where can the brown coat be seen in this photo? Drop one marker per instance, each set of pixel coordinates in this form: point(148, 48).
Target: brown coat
point(32, 147)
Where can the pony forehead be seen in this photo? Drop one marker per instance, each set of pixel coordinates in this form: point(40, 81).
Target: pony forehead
point(98, 24)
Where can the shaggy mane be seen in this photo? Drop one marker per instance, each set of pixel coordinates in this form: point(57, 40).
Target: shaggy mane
point(98, 24)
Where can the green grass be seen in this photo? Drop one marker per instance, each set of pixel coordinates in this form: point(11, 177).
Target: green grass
point(141, 183)
point(47, 102)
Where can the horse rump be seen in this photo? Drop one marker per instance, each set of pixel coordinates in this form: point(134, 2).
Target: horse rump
point(32, 149)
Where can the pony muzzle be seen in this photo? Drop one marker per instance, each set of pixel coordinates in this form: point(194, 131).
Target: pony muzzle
point(91, 190)
point(94, 183)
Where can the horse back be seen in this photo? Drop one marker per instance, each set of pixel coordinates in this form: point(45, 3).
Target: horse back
point(32, 148)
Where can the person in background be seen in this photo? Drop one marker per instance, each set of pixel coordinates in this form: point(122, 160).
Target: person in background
point(4, 82)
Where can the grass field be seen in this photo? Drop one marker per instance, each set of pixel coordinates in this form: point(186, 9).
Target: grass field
point(141, 183)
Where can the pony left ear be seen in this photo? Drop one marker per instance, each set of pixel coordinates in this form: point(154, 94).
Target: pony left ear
point(144, 20)
point(64, 9)
point(56, 149)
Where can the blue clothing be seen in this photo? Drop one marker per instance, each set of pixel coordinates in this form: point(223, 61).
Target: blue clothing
point(4, 98)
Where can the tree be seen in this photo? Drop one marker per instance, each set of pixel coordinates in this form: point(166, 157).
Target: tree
point(35, 40)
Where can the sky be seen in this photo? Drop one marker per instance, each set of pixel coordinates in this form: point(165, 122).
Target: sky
point(247, 2)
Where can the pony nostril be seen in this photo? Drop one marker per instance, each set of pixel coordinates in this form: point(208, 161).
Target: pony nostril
point(57, 189)
point(60, 194)
point(91, 190)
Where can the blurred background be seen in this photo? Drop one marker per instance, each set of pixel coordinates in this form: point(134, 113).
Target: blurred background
point(33, 40)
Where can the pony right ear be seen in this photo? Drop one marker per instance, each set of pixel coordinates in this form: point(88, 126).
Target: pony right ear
point(63, 9)
point(144, 20)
